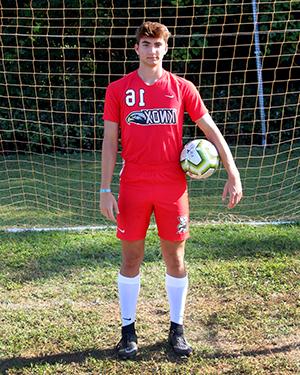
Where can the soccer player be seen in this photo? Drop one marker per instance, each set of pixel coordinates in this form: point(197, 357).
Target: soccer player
point(148, 106)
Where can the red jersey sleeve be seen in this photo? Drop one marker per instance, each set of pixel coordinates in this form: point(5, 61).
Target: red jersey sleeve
point(193, 103)
point(111, 105)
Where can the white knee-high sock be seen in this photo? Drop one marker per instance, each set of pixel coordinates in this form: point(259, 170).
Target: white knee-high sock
point(177, 291)
point(129, 288)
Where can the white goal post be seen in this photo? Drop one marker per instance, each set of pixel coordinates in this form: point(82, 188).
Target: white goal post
point(57, 58)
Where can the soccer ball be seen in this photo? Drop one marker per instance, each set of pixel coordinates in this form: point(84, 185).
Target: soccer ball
point(199, 158)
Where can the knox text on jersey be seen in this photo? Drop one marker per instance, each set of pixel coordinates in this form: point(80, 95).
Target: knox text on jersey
point(156, 116)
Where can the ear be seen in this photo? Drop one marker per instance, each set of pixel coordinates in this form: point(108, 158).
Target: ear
point(136, 48)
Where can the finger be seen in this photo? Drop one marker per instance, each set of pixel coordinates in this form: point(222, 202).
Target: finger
point(239, 197)
point(111, 215)
point(195, 176)
point(231, 203)
point(232, 200)
point(225, 192)
point(116, 207)
point(107, 212)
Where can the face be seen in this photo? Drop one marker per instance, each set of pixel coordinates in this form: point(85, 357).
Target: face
point(151, 50)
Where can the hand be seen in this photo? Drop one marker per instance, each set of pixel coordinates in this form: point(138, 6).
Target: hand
point(108, 206)
point(233, 188)
point(196, 176)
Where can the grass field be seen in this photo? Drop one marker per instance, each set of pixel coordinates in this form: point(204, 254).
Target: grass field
point(59, 306)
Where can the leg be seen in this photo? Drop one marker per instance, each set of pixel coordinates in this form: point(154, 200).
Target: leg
point(132, 257)
point(129, 280)
point(173, 254)
point(176, 286)
point(135, 209)
point(129, 287)
point(176, 278)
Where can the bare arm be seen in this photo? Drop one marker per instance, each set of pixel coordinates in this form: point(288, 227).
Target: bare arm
point(233, 186)
point(108, 203)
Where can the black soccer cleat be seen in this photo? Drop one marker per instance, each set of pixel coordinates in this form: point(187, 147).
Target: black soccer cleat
point(179, 344)
point(127, 347)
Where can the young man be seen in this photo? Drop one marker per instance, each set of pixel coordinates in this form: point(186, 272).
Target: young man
point(148, 107)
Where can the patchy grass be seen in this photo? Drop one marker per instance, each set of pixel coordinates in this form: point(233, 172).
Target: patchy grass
point(60, 315)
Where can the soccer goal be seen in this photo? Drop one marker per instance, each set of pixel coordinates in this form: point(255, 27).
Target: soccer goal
point(57, 57)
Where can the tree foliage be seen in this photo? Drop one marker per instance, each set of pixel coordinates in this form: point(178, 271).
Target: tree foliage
point(57, 60)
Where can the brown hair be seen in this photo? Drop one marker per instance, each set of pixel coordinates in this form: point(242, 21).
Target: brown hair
point(152, 30)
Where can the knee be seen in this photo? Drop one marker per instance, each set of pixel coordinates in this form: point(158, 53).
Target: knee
point(173, 254)
point(176, 267)
point(132, 257)
point(132, 261)
point(131, 264)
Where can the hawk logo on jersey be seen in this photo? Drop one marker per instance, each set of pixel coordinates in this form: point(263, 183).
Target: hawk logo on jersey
point(137, 117)
point(146, 117)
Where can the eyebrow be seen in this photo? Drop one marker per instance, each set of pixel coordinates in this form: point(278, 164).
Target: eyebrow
point(146, 42)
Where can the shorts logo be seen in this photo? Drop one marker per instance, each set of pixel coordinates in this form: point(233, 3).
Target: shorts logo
point(147, 117)
point(182, 227)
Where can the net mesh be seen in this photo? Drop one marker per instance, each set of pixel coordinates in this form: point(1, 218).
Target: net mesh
point(57, 58)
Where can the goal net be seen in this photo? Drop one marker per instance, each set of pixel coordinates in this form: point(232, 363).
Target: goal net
point(57, 58)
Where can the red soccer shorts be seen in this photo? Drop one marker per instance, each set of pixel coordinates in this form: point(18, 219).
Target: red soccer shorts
point(159, 190)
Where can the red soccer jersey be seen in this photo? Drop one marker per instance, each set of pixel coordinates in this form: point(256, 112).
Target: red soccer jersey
point(151, 116)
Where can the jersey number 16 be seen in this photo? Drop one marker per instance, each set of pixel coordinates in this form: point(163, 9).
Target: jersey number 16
point(132, 96)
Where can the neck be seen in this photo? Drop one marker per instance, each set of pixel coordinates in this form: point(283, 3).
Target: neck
point(150, 75)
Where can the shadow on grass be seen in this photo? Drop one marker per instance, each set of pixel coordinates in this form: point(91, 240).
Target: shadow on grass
point(146, 353)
